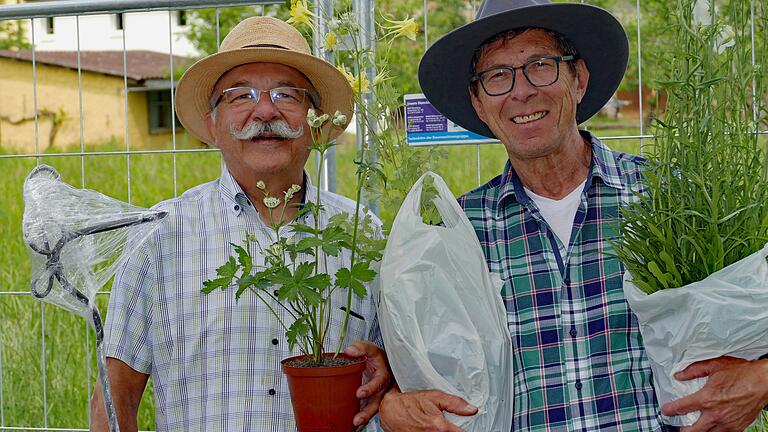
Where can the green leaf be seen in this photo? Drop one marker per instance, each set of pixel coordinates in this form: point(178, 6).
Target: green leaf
point(296, 287)
point(303, 270)
point(658, 274)
point(298, 330)
point(243, 258)
point(343, 277)
point(358, 288)
point(281, 276)
point(319, 282)
point(303, 228)
point(259, 281)
point(211, 285)
point(309, 296)
point(307, 245)
point(671, 267)
point(362, 272)
point(355, 278)
point(228, 269)
point(338, 219)
point(302, 211)
point(334, 239)
point(226, 273)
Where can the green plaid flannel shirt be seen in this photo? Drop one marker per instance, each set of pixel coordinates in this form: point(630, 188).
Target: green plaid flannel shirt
point(579, 363)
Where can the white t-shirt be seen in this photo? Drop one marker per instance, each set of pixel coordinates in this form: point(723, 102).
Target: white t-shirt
point(559, 214)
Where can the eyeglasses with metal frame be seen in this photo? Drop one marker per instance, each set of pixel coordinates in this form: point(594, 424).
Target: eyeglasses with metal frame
point(541, 72)
point(286, 97)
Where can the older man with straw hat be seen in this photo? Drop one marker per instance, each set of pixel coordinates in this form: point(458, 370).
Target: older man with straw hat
point(528, 72)
point(215, 362)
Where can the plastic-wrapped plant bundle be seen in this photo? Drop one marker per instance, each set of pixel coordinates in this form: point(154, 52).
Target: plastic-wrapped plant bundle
point(75, 239)
point(694, 243)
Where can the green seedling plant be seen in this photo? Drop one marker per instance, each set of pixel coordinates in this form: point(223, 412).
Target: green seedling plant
point(706, 185)
point(294, 275)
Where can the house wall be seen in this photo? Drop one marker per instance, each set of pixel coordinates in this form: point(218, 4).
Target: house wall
point(152, 31)
point(59, 111)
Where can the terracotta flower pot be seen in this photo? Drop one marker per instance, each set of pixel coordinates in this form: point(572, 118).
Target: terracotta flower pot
point(323, 398)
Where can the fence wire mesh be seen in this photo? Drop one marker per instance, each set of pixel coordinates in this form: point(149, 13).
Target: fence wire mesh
point(46, 357)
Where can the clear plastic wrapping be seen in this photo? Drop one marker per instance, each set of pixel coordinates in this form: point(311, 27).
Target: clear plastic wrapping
point(76, 238)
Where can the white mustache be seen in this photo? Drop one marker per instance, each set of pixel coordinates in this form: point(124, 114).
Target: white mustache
point(274, 128)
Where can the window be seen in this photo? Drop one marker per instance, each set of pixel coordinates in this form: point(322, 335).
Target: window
point(181, 18)
point(159, 109)
point(119, 21)
point(49, 25)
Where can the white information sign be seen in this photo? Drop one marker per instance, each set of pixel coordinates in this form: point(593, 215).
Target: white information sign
point(425, 126)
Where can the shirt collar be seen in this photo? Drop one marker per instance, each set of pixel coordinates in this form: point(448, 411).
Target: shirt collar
point(235, 199)
point(603, 166)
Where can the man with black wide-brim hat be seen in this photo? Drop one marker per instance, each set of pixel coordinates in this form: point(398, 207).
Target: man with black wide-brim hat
point(528, 72)
point(215, 360)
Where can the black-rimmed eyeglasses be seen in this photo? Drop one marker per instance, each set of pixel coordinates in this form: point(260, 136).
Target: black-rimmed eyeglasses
point(286, 97)
point(540, 72)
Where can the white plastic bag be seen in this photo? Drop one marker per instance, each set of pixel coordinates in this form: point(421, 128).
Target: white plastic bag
point(724, 314)
point(441, 313)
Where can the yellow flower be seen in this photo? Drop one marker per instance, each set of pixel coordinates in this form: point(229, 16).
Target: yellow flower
point(360, 84)
point(300, 14)
point(331, 42)
point(406, 27)
point(347, 74)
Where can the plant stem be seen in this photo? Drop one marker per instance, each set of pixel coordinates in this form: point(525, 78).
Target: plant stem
point(362, 173)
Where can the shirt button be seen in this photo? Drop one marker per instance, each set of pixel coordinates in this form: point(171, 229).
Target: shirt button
point(272, 392)
point(275, 341)
point(573, 332)
point(275, 293)
point(237, 207)
point(578, 385)
point(567, 281)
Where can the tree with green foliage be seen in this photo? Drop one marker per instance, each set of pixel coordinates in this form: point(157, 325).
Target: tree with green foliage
point(12, 35)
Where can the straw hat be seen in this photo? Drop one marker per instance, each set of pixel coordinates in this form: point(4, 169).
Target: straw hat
point(596, 34)
point(253, 40)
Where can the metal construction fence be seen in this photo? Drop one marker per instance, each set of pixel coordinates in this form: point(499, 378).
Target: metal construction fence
point(46, 358)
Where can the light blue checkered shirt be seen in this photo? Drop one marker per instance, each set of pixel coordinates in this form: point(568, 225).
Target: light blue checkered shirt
point(214, 361)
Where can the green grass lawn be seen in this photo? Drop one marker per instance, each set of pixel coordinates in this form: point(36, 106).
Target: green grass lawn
point(68, 343)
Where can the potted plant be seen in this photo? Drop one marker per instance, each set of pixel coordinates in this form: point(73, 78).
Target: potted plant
point(303, 287)
point(294, 275)
point(693, 242)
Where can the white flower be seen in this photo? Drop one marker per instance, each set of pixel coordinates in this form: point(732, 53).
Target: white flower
point(315, 121)
point(333, 24)
point(339, 119)
point(260, 184)
point(291, 190)
point(271, 202)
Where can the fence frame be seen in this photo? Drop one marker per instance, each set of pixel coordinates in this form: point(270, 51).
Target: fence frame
point(77, 8)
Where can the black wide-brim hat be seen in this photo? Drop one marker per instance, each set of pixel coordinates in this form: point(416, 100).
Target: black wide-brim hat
point(445, 70)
